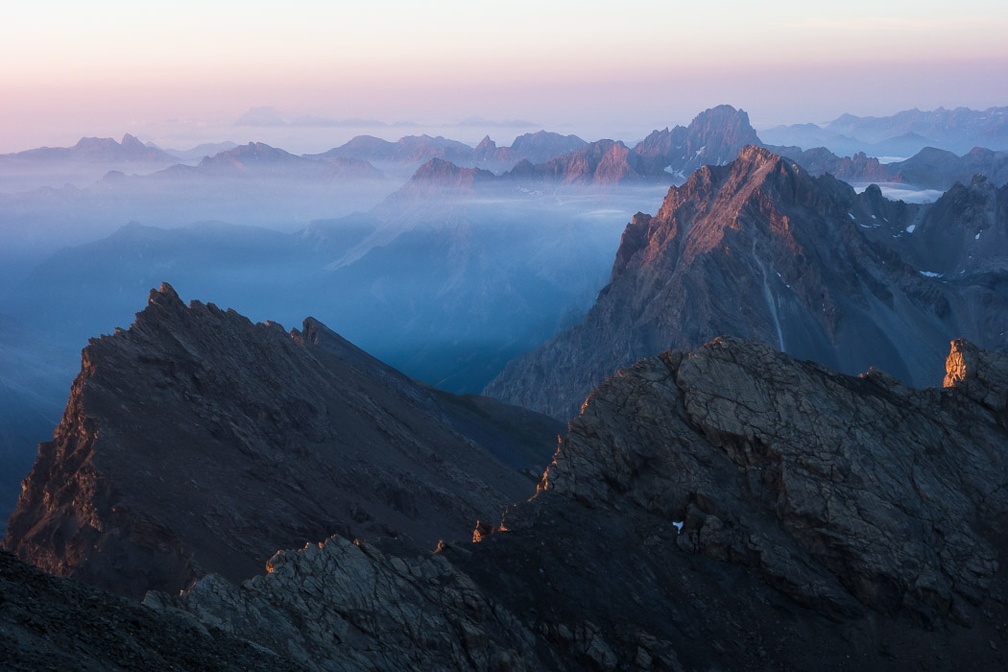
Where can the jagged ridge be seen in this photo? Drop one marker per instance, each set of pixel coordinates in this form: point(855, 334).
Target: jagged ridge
point(199, 442)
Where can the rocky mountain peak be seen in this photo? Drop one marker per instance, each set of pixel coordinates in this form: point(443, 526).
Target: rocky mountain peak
point(180, 429)
point(486, 146)
point(165, 296)
point(726, 121)
point(761, 249)
point(714, 137)
point(132, 143)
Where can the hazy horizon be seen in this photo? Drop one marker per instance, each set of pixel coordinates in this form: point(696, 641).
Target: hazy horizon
point(184, 73)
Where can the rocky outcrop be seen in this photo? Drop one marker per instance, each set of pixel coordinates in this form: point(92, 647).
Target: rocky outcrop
point(844, 493)
point(53, 623)
point(349, 606)
point(729, 508)
point(858, 168)
point(542, 146)
point(197, 441)
point(438, 173)
point(760, 249)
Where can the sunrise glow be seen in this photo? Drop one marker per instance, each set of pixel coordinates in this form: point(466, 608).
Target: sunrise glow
point(167, 70)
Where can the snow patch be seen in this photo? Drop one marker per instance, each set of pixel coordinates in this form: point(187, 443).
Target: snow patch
point(910, 229)
point(930, 274)
point(977, 237)
point(678, 525)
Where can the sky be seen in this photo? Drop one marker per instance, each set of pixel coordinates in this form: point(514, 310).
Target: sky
point(185, 71)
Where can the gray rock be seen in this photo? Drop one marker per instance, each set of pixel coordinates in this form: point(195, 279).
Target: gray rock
point(730, 508)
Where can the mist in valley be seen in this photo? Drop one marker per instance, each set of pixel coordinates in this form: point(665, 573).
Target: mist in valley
point(444, 260)
point(446, 282)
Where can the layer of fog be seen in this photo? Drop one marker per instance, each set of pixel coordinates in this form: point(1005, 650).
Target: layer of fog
point(908, 193)
point(446, 283)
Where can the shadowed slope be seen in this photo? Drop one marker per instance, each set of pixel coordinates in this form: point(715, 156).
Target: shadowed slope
point(197, 441)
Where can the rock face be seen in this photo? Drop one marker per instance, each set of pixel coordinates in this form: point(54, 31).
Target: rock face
point(844, 493)
point(200, 442)
point(762, 250)
point(730, 508)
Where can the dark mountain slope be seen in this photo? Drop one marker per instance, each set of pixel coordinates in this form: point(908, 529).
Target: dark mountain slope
point(199, 442)
point(962, 236)
point(761, 250)
point(50, 623)
point(731, 508)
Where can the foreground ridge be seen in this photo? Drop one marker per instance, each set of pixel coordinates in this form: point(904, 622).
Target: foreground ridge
point(732, 507)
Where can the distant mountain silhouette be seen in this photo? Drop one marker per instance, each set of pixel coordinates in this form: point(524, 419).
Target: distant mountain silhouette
point(930, 168)
point(97, 150)
point(902, 134)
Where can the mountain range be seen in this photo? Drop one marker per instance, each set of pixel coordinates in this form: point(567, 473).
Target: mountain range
point(902, 134)
point(763, 250)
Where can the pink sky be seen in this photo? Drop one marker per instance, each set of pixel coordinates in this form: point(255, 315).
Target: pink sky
point(180, 72)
